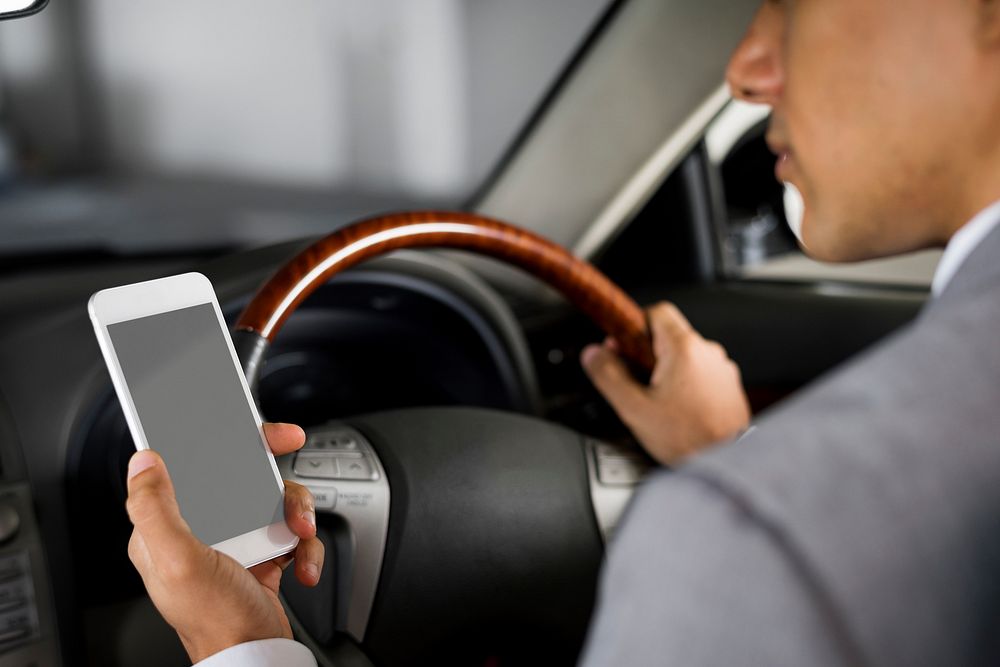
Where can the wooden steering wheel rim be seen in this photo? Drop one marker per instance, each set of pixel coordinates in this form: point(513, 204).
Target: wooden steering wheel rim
point(579, 281)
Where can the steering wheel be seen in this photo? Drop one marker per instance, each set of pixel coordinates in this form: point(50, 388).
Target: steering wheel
point(454, 535)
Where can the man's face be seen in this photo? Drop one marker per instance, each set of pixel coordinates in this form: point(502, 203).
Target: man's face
point(880, 111)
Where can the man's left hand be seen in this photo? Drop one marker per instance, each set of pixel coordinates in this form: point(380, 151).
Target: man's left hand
point(695, 397)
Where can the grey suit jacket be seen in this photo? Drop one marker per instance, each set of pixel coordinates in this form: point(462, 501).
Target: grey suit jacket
point(858, 524)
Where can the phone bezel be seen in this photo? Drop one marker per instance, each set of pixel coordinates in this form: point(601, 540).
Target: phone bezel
point(153, 297)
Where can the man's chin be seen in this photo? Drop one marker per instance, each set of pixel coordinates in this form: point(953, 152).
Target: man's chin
point(838, 249)
point(820, 254)
point(834, 238)
point(824, 249)
point(826, 243)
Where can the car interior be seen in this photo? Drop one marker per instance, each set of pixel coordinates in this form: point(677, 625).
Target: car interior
point(487, 474)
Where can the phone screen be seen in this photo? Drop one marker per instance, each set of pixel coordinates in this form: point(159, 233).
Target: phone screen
point(195, 414)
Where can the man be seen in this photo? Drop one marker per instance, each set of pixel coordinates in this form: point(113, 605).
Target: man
point(860, 522)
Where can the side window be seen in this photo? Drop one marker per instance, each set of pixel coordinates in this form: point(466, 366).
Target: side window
point(757, 241)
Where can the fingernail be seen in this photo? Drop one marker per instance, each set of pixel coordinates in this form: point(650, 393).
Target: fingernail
point(312, 570)
point(309, 517)
point(588, 354)
point(140, 461)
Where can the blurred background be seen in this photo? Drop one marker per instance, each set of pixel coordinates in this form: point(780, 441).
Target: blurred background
point(150, 127)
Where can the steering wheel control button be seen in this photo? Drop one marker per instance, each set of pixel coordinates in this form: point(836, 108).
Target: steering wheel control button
point(613, 472)
point(356, 467)
point(10, 522)
point(315, 465)
point(14, 634)
point(619, 466)
point(339, 442)
point(10, 568)
point(343, 472)
point(608, 451)
point(341, 454)
point(18, 616)
point(344, 443)
point(13, 595)
point(325, 499)
point(618, 472)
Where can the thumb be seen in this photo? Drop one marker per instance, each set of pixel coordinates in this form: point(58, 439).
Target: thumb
point(612, 378)
point(153, 509)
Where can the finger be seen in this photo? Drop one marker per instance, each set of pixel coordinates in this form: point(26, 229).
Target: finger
point(268, 573)
point(137, 551)
point(284, 438)
point(300, 510)
point(716, 348)
point(263, 570)
point(283, 561)
point(669, 329)
point(309, 557)
point(611, 377)
point(153, 509)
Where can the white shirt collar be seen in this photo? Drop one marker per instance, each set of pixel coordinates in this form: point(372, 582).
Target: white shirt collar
point(962, 244)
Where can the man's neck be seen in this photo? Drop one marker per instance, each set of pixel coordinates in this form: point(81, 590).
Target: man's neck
point(963, 241)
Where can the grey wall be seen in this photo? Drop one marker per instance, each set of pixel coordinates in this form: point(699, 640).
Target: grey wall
point(388, 95)
point(40, 86)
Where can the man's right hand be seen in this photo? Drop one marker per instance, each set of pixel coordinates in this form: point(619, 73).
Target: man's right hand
point(694, 399)
point(211, 600)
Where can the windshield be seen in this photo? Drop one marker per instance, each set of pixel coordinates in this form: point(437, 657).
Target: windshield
point(179, 125)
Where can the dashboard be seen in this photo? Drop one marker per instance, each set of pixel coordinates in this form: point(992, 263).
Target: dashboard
point(411, 329)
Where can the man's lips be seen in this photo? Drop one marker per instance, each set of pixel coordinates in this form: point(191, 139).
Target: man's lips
point(783, 151)
point(783, 167)
point(776, 145)
point(785, 160)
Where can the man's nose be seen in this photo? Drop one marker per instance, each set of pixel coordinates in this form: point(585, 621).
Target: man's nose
point(755, 71)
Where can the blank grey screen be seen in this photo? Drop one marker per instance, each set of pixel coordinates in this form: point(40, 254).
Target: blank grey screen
point(195, 414)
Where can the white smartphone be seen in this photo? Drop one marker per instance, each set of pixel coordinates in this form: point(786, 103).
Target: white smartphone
point(181, 386)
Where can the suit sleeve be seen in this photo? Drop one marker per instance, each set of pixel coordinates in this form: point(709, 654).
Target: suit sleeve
point(263, 653)
point(691, 579)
